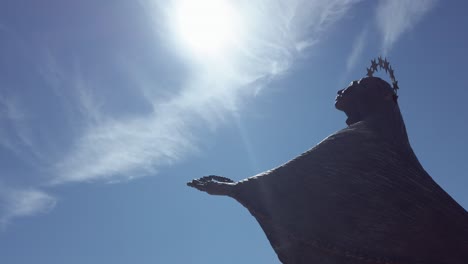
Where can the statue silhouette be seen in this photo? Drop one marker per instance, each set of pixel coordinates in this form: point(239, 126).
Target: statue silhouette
point(359, 196)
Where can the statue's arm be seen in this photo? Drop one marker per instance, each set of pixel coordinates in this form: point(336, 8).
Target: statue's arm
point(217, 185)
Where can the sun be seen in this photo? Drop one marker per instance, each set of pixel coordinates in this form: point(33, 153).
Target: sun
point(207, 27)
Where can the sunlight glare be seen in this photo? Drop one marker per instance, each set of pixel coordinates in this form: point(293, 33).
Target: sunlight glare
point(207, 27)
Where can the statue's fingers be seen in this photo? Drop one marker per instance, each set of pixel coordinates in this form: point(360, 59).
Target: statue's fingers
point(194, 183)
point(204, 179)
point(199, 185)
point(190, 184)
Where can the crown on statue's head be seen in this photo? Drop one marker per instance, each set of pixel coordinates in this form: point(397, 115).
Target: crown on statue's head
point(380, 63)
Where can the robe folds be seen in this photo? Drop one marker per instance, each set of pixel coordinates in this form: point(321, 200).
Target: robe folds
point(357, 197)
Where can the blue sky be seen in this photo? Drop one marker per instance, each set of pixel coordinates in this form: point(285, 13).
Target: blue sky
point(107, 108)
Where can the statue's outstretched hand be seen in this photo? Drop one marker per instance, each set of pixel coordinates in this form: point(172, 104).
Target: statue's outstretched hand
point(214, 185)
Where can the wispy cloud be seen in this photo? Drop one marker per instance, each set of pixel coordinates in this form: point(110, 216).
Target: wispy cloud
point(124, 148)
point(9, 112)
point(83, 142)
point(9, 109)
point(286, 30)
point(14, 119)
point(395, 17)
point(128, 148)
point(16, 203)
point(357, 50)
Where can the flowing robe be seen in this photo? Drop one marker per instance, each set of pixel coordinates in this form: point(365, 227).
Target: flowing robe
point(357, 197)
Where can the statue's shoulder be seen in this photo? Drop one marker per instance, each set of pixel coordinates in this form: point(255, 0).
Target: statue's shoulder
point(356, 134)
point(347, 145)
point(352, 143)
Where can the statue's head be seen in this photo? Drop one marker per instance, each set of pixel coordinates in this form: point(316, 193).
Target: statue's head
point(367, 97)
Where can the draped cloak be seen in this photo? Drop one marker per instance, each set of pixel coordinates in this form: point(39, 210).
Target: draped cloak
point(357, 197)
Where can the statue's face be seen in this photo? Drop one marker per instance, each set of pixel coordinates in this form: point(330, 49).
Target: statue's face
point(345, 98)
point(363, 98)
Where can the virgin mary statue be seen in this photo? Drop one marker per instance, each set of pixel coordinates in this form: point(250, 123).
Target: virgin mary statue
point(358, 196)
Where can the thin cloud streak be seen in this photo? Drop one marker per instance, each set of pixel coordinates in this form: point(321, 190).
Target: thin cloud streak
point(14, 118)
point(395, 17)
point(287, 30)
point(125, 149)
point(113, 149)
point(357, 50)
point(22, 202)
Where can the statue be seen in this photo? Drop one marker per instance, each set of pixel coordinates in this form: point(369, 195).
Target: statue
point(359, 196)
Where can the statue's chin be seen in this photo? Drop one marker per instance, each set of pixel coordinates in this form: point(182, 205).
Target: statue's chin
point(353, 115)
point(338, 105)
